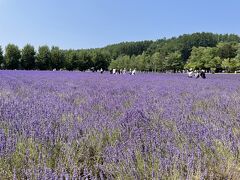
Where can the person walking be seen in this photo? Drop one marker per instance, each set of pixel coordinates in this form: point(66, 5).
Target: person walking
point(197, 75)
point(134, 71)
point(190, 73)
point(202, 74)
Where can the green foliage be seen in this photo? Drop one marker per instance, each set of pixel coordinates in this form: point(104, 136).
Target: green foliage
point(128, 48)
point(158, 63)
point(138, 62)
point(161, 55)
point(228, 38)
point(204, 58)
point(122, 62)
point(85, 60)
point(214, 64)
point(227, 50)
point(101, 59)
point(28, 57)
point(1, 58)
point(212, 61)
point(231, 65)
point(57, 58)
point(187, 42)
point(43, 58)
point(174, 61)
point(71, 59)
point(12, 56)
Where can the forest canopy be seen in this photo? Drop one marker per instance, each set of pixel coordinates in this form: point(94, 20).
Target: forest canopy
point(209, 51)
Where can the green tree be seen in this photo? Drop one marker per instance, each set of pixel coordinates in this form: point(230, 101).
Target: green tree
point(231, 65)
point(138, 63)
point(85, 59)
point(128, 48)
point(122, 62)
point(1, 58)
point(114, 64)
point(147, 62)
point(88, 60)
point(174, 61)
point(196, 59)
point(74, 60)
point(100, 59)
point(12, 56)
point(204, 58)
point(227, 50)
point(214, 64)
point(28, 57)
point(228, 38)
point(188, 41)
point(70, 59)
point(43, 58)
point(128, 62)
point(210, 59)
point(57, 58)
point(158, 59)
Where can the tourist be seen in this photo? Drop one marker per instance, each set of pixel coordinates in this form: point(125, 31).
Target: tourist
point(197, 75)
point(134, 71)
point(202, 74)
point(190, 73)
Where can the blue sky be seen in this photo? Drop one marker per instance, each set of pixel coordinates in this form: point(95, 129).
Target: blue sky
point(80, 24)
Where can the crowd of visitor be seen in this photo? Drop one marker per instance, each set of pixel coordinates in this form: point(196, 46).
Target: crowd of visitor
point(123, 71)
point(197, 74)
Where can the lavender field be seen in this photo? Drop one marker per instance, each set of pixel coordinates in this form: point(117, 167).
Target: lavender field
point(72, 125)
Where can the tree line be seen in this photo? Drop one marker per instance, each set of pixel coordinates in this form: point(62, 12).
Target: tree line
point(52, 58)
point(212, 52)
point(215, 52)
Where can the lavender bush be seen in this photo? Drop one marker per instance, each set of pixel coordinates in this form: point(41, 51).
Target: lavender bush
point(72, 125)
